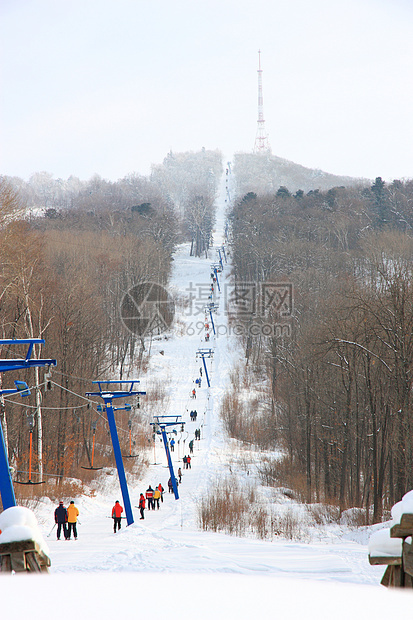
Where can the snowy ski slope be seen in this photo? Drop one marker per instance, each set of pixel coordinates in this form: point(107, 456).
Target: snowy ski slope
point(166, 566)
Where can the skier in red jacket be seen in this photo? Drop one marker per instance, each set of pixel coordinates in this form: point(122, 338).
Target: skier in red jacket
point(142, 505)
point(117, 515)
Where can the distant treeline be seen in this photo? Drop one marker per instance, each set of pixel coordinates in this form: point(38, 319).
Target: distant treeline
point(185, 184)
point(340, 377)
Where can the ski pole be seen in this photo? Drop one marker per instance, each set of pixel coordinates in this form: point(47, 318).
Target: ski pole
point(50, 533)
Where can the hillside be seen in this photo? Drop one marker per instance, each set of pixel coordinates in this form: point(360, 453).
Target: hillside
point(267, 173)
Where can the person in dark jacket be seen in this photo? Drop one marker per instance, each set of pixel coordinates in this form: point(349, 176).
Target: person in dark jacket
point(60, 517)
point(149, 498)
point(142, 505)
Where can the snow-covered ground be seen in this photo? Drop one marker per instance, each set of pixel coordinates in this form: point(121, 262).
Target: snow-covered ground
point(165, 566)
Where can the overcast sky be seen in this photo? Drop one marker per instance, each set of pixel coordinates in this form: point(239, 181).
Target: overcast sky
point(110, 86)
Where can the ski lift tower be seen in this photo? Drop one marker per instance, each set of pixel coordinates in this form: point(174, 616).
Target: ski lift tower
point(216, 268)
point(8, 497)
point(205, 353)
point(220, 257)
point(212, 307)
point(108, 394)
point(161, 422)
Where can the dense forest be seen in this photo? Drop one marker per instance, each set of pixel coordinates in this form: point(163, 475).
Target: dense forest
point(70, 251)
point(338, 381)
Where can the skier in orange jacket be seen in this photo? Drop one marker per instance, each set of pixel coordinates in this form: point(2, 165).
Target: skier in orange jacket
point(117, 515)
point(72, 515)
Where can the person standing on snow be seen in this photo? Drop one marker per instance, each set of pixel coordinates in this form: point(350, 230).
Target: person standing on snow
point(142, 505)
point(191, 446)
point(72, 515)
point(149, 497)
point(117, 515)
point(188, 462)
point(179, 475)
point(60, 517)
point(161, 491)
point(156, 498)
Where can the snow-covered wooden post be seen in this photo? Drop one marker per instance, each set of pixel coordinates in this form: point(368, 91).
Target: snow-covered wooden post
point(22, 547)
point(393, 546)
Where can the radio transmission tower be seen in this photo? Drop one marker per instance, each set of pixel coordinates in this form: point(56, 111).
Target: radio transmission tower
point(262, 144)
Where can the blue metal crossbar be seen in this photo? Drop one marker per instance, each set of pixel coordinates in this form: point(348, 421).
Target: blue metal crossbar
point(19, 364)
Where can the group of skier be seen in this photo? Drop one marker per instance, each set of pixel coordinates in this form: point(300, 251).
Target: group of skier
point(66, 520)
point(152, 499)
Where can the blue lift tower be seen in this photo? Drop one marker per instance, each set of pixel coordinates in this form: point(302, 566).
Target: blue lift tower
point(8, 497)
point(160, 424)
point(205, 353)
point(212, 307)
point(107, 393)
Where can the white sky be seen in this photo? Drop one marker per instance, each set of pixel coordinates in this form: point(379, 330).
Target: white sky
point(110, 86)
